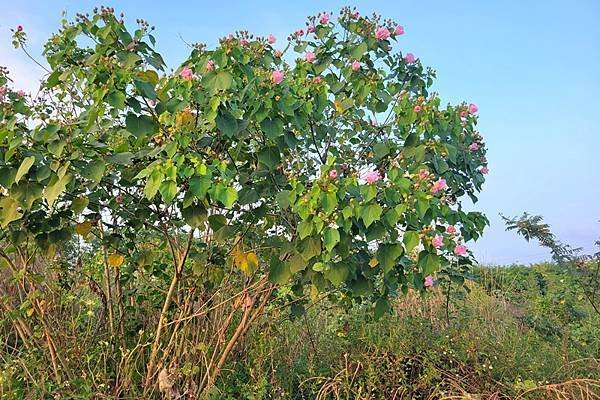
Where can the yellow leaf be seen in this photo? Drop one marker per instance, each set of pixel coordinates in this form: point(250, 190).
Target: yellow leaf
point(373, 263)
point(338, 107)
point(29, 312)
point(252, 259)
point(314, 293)
point(83, 228)
point(115, 260)
point(185, 119)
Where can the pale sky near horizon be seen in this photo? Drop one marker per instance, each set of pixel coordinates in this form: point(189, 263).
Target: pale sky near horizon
point(533, 68)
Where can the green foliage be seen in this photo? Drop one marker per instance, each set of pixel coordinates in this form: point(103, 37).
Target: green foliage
point(197, 200)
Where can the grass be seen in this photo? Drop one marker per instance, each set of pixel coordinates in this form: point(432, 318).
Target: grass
point(518, 332)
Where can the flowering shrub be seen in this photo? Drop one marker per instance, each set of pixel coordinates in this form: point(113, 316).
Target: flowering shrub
point(339, 171)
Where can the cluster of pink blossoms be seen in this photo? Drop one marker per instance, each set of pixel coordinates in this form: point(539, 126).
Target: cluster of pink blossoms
point(372, 176)
point(271, 39)
point(438, 185)
point(3, 91)
point(186, 73)
point(324, 18)
point(310, 56)
point(277, 76)
point(382, 33)
point(429, 281)
point(333, 174)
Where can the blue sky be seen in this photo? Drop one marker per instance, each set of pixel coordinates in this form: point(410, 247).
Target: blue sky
point(533, 68)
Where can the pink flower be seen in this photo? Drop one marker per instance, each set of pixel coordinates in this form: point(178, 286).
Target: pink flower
point(423, 174)
point(324, 18)
point(451, 229)
point(372, 176)
point(473, 147)
point(438, 185)
point(473, 108)
point(382, 33)
point(309, 56)
point(460, 250)
point(333, 174)
point(271, 39)
point(187, 74)
point(277, 77)
point(417, 109)
point(437, 241)
point(463, 114)
point(244, 42)
point(428, 281)
point(210, 65)
point(355, 65)
point(484, 170)
point(21, 93)
point(317, 79)
point(310, 29)
point(399, 30)
point(19, 28)
point(409, 58)
point(278, 53)
point(355, 14)
point(299, 32)
point(3, 90)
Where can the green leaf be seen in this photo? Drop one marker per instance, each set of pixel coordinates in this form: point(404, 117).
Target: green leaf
point(116, 99)
point(357, 52)
point(387, 254)
point(125, 158)
point(227, 124)
point(310, 248)
point(297, 263)
point(152, 184)
point(411, 240)
point(26, 193)
point(248, 196)
point(279, 272)
point(56, 147)
point(381, 307)
point(371, 214)
point(329, 202)
point(79, 204)
point(361, 287)
point(9, 211)
point(428, 262)
point(168, 190)
point(337, 273)
point(56, 187)
point(272, 127)
point(140, 125)
point(215, 81)
point(24, 167)
point(194, 215)
point(305, 228)
point(269, 156)
point(381, 150)
point(331, 237)
point(283, 199)
point(146, 89)
point(93, 171)
point(199, 185)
